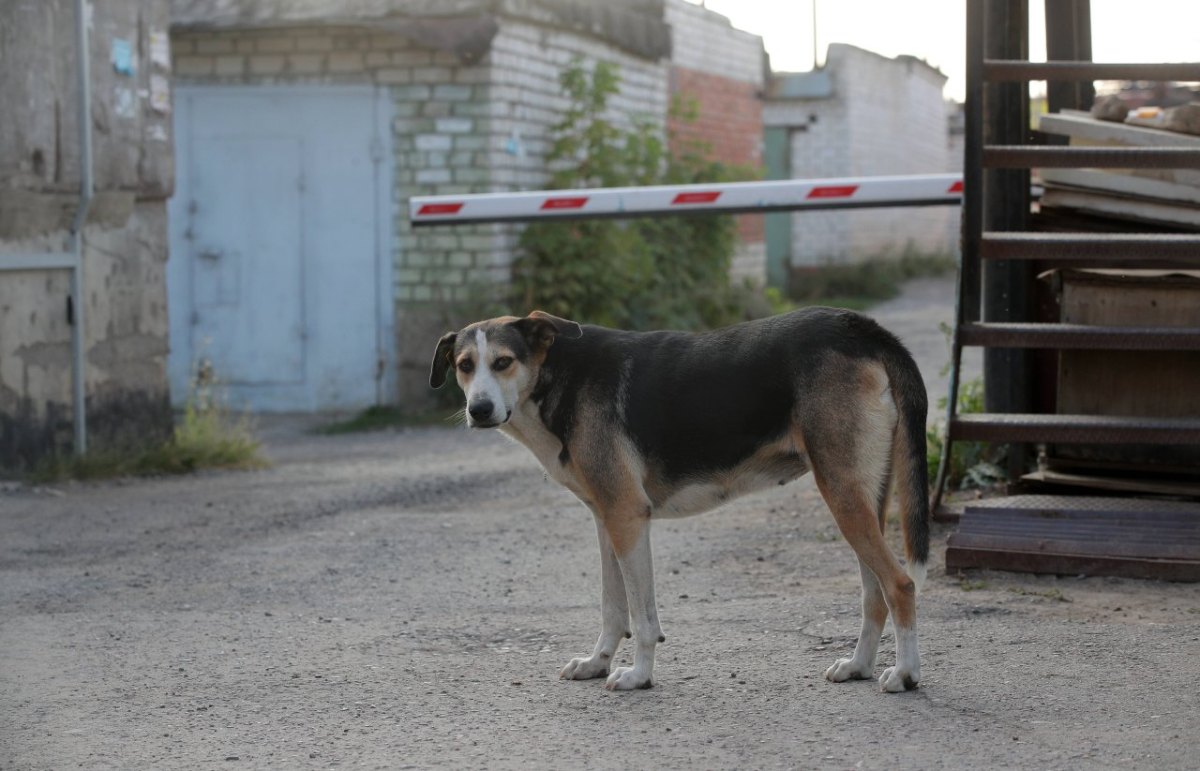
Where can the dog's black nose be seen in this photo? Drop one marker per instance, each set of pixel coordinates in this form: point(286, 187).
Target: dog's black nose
point(481, 410)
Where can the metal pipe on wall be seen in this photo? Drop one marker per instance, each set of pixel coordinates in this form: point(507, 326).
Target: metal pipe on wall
point(86, 185)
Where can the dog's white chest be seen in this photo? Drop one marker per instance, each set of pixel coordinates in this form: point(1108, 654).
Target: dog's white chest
point(529, 431)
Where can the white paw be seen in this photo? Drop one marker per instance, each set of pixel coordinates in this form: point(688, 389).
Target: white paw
point(585, 668)
point(627, 679)
point(848, 669)
point(895, 681)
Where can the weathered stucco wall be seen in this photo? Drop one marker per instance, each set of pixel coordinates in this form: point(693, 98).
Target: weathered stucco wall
point(125, 246)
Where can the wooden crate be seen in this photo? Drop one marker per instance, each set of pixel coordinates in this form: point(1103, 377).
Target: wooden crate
point(1135, 383)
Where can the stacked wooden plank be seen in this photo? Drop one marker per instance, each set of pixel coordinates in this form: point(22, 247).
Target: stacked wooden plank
point(1166, 196)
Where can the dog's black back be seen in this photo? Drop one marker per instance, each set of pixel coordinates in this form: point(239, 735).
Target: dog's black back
point(698, 403)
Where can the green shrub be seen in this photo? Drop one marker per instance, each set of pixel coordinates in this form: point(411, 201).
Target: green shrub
point(640, 273)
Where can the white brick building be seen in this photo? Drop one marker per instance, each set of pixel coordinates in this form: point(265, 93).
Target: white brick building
point(446, 97)
point(862, 115)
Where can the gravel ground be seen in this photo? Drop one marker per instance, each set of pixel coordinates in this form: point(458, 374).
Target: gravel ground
point(405, 600)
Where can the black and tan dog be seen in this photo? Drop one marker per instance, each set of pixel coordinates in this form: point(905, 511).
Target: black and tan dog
point(641, 425)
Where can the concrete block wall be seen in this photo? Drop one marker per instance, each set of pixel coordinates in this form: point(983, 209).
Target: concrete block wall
point(527, 100)
point(704, 41)
point(124, 238)
point(897, 123)
point(885, 116)
point(722, 71)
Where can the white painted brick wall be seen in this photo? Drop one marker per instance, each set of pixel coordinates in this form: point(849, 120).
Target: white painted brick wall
point(886, 116)
point(705, 41)
point(527, 100)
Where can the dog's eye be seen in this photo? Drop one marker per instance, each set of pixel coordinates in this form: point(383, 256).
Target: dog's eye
point(502, 363)
point(466, 366)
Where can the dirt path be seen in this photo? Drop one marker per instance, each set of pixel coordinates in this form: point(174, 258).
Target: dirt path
point(405, 600)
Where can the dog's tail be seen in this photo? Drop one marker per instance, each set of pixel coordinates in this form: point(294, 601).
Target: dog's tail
point(909, 465)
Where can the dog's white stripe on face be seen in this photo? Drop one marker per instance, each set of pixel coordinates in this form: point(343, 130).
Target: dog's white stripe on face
point(484, 388)
point(481, 345)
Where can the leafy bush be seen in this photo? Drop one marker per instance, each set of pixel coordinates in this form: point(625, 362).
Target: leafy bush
point(636, 274)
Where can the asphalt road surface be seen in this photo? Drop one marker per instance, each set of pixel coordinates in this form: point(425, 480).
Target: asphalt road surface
point(406, 599)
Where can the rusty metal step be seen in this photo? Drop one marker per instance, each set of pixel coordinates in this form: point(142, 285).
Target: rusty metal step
point(1076, 157)
point(997, 70)
point(1057, 534)
point(1111, 250)
point(1079, 337)
point(1074, 429)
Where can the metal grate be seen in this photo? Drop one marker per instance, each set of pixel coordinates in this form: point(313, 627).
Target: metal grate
point(1093, 536)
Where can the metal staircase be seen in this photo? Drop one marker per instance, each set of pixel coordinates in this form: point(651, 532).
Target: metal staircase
point(996, 275)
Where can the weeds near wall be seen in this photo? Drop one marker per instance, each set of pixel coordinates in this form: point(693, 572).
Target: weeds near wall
point(636, 274)
point(973, 465)
point(208, 435)
point(860, 285)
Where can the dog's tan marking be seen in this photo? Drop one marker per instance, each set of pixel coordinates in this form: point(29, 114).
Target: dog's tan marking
point(611, 471)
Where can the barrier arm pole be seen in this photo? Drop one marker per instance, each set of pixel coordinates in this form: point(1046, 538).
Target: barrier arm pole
point(725, 198)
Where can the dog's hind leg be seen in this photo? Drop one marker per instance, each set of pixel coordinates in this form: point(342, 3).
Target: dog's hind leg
point(614, 611)
point(852, 511)
point(861, 666)
point(850, 447)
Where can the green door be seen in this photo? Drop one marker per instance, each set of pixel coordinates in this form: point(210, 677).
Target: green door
point(778, 224)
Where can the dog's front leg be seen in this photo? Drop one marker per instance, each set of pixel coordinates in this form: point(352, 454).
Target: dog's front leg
point(614, 608)
point(631, 540)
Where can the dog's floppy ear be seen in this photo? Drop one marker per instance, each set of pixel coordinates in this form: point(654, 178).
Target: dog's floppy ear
point(540, 329)
point(441, 359)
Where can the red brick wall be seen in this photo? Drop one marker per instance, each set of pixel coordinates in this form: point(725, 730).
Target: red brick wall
point(728, 120)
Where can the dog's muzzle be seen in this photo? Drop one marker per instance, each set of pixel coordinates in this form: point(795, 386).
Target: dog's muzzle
point(483, 414)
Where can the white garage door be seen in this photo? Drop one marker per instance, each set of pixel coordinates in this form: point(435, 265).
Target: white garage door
point(279, 273)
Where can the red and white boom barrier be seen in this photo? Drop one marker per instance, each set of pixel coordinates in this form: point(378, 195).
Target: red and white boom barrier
point(730, 197)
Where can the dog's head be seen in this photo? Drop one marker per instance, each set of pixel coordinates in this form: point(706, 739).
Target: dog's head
point(497, 361)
